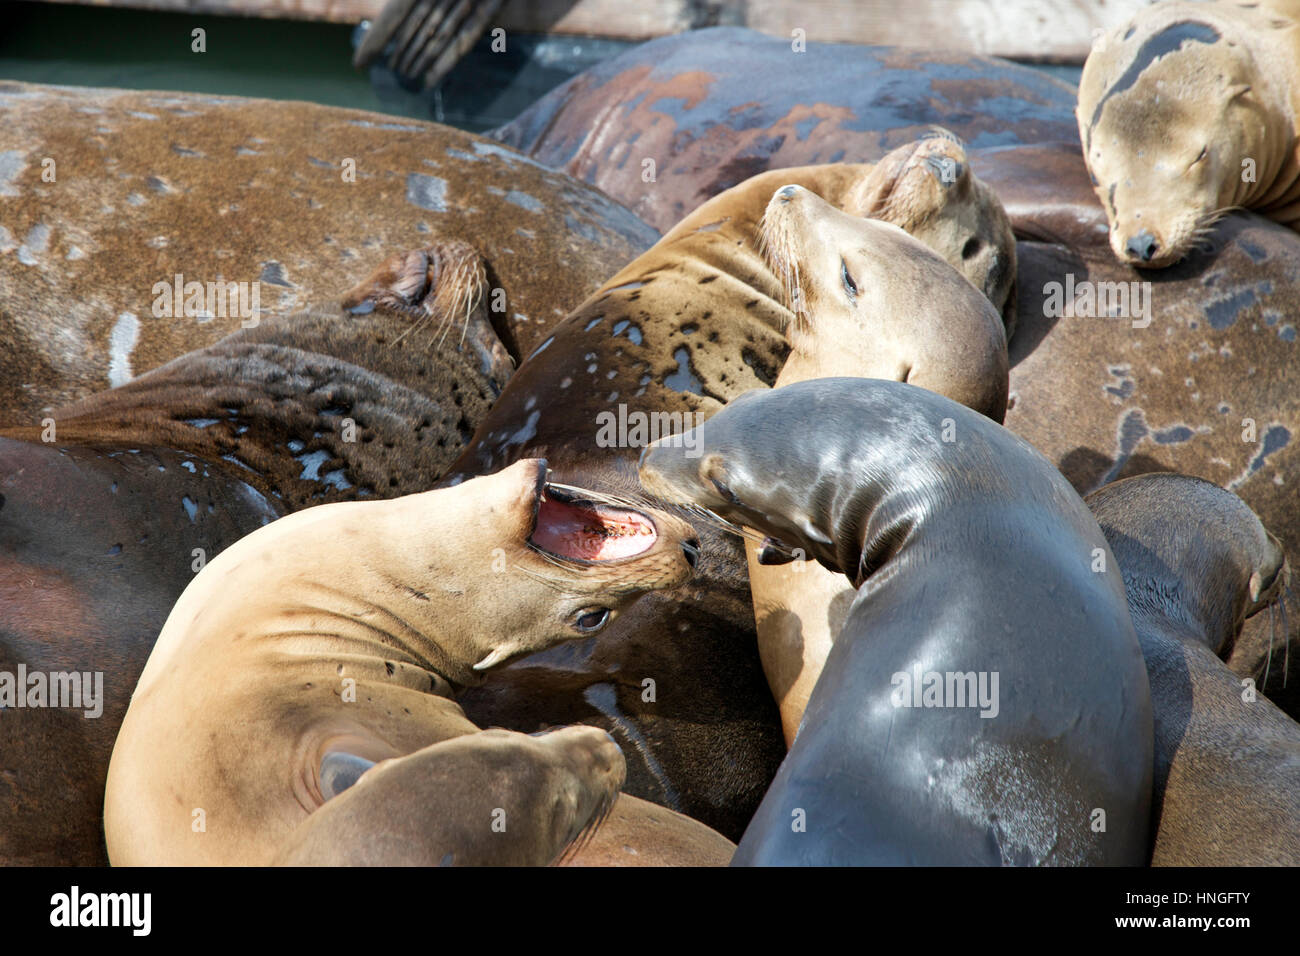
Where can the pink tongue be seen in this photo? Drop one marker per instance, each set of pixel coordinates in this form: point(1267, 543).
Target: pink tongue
point(574, 532)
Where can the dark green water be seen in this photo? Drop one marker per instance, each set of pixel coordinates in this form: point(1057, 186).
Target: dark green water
point(278, 59)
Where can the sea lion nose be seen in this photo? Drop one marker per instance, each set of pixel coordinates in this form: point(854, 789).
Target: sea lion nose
point(691, 548)
point(1143, 245)
point(786, 193)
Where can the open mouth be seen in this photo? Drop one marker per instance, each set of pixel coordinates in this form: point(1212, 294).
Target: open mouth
point(571, 526)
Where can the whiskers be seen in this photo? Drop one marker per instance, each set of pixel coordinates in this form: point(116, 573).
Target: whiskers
point(588, 831)
point(1275, 610)
point(1202, 234)
point(459, 281)
point(776, 246)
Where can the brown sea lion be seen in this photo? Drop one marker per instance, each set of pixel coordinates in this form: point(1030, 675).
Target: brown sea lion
point(310, 720)
point(671, 123)
point(950, 340)
point(106, 196)
point(1206, 384)
point(695, 321)
point(1186, 112)
point(1196, 563)
point(104, 525)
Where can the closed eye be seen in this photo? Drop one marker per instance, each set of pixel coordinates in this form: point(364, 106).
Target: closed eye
point(727, 493)
point(850, 286)
point(1204, 153)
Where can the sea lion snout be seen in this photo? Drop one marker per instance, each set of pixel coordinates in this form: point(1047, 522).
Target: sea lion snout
point(1143, 246)
point(1271, 577)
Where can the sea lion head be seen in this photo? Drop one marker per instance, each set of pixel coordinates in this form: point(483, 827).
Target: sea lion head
point(927, 189)
point(744, 474)
point(1167, 115)
point(511, 563)
point(872, 301)
point(1191, 551)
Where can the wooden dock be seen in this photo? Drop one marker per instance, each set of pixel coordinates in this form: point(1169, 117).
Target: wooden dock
point(1050, 31)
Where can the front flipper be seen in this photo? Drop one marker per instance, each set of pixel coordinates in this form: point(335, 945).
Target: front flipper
point(494, 798)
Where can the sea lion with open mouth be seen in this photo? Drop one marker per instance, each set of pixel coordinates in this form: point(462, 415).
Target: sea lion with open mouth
point(297, 705)
point(107, 514)
point(985, 701)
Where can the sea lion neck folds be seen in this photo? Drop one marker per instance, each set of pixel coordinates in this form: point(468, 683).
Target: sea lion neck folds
point(1202, 575)
point(1197, 562)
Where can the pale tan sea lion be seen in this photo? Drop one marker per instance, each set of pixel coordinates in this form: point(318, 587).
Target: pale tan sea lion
point(297, 705)
point(1186, 112)
point(875, 303)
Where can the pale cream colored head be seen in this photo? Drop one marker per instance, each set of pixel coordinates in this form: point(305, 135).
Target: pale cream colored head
point(927, 189)
point(871, 301)
point(1171, 118)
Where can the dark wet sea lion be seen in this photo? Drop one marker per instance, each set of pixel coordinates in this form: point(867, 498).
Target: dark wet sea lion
point(311, 720)
point(713, 107)
point(1196, 564)
point(696, 320)
point(946, 726)
point(295, 197)
point(1186, 112)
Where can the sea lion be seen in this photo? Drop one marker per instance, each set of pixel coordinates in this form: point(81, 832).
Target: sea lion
point(332, 736)
point(950, 341)
point(106, 196)
point(102, 527)
point(1186, 112)
point(1196, 563)
point(946, 727)
point(695, 321)
point(671, 123)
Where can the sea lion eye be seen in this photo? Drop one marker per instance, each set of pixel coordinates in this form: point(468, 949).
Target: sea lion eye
point(1204, 153)
point(591, 620)
point(850, 286)
point(726, 492)
point(972, 246)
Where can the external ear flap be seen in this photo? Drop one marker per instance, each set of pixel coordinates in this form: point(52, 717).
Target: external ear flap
point(713, 471)
point(1241, 89)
